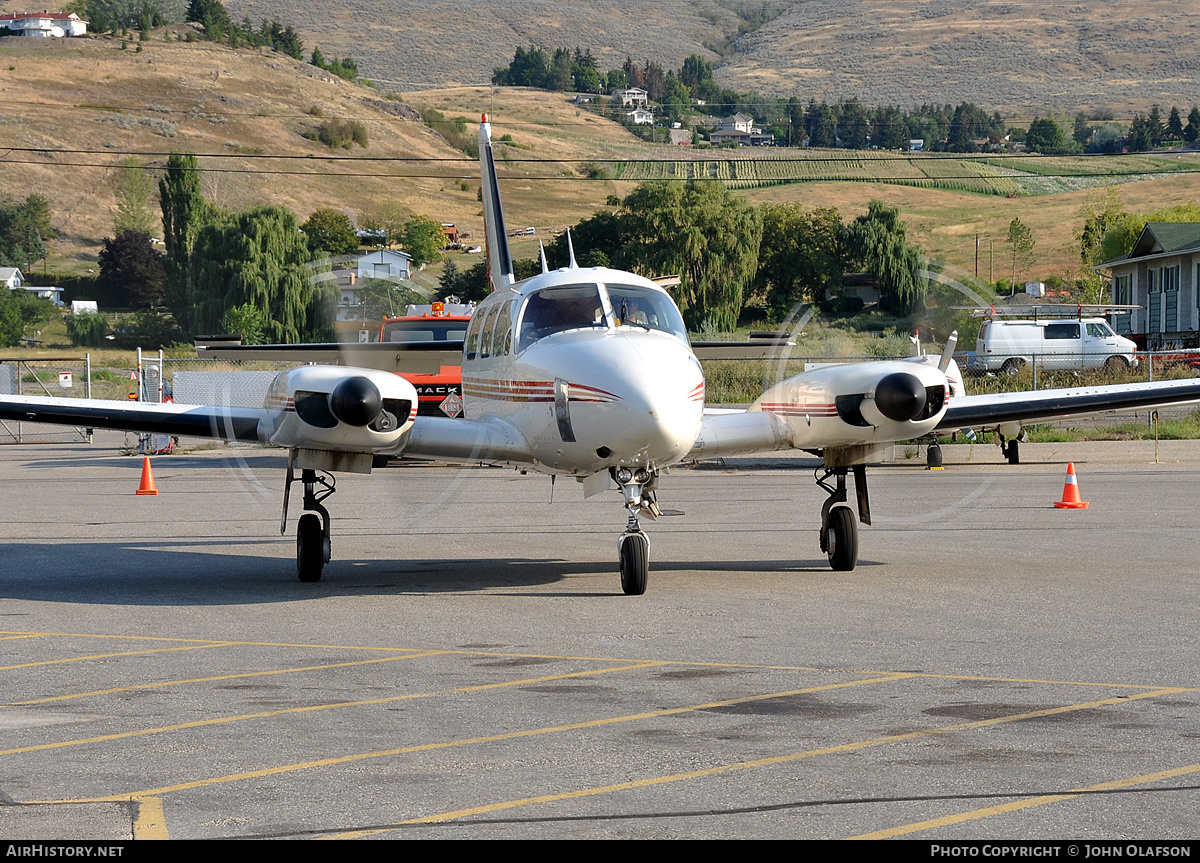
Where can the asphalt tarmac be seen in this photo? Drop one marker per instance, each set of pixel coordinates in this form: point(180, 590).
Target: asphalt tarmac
point(468, 667)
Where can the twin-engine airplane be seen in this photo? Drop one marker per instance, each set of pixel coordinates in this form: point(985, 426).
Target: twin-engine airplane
point(587, 372)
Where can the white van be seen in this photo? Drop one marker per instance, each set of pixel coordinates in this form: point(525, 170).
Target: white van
point(1082, 343)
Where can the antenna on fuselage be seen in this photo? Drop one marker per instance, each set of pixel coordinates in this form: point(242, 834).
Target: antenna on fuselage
point(500, 265)
point(571, 252)
point(542, 250)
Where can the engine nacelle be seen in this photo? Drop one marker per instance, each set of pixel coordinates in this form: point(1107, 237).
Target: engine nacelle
point(339, 409)
point(860, 403)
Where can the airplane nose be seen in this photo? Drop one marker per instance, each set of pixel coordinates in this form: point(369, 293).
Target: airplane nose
point(663, 403)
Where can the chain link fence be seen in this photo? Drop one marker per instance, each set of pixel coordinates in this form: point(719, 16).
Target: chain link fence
point(60, 377)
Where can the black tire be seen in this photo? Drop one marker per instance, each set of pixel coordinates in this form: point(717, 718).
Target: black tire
point(310, 548)
point(1013, 452)
point(842, 536)
point(635, 563)
point(1116, 365)
point(1012, 367)
point(933, 455)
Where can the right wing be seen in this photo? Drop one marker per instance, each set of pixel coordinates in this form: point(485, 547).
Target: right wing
point(987, 411)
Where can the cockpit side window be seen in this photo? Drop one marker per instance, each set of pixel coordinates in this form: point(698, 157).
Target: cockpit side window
point(553, 310)
point(637, 306)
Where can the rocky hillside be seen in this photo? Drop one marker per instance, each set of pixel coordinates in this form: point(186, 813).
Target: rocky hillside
point(1013, 55)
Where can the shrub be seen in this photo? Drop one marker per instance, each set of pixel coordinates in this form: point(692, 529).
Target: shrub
point(339, 133)
point(87, 330)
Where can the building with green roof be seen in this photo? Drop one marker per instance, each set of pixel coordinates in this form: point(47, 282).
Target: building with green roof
point(1161, 275)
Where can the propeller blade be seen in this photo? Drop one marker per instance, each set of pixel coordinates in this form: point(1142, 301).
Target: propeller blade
point(948, 352)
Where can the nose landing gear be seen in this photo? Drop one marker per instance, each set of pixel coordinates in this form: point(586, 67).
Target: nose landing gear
point(839, 531)
point(633, 546)
point(312, 532)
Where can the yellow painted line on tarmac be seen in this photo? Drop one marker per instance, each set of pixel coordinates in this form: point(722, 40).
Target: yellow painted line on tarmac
point(758, 762)
point(94, 656)
point(291, 711)
point(18, 637)
point(149, 822)
point(1028, 803)
point(238, 676)
point(492, 738)
point(619, 659)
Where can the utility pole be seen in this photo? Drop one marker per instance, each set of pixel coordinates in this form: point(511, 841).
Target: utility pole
point(977, 254)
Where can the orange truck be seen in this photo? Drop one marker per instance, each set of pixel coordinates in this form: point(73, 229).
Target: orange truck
point(438, 394)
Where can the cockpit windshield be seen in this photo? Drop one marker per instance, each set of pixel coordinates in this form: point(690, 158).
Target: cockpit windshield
point(553, 310)
point(637, 306)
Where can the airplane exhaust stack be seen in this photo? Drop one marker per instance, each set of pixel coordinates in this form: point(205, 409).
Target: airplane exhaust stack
point(147, 484)
point(356, 402)
point(1070, 498)
point(900, 397)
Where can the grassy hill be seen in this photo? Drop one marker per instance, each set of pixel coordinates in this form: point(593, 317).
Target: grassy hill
point(1017, 56)
point(236, 108)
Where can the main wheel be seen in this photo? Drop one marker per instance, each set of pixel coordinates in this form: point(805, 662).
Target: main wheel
point(1013, 451)
point(635, 563)
point(933, 455)
point(310, 547)
point(842, 537)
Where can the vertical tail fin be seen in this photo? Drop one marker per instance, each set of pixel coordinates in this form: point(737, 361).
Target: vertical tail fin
point(500, 266)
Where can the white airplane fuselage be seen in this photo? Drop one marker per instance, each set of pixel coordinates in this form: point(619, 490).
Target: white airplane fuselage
point(584, 398)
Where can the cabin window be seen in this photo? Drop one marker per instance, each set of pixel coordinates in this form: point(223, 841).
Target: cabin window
point(555, 310)
point(485, 336)
point(637, 306)
point(500, 334)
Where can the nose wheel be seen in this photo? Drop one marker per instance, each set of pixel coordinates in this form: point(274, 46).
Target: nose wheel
point(633, 547)
point(634, 551)
point(312, 531)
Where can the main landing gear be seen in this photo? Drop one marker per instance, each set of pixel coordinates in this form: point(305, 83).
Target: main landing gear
point(839, 531)
point(312, 532)
point(633, 547)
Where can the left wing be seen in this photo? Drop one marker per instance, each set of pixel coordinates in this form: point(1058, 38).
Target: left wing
point(225, 423)
point(985, 411)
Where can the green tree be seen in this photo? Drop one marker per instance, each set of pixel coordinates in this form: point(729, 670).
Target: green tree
point(451, 283)
point(801, 255)
point(423, 239)
point(853, 127)
point(184, 212)
point(1192, 130)
point(87, 329)
point(330, 233)
point(134, 189)
point(1044, 136)
point(1020, 241)
point(247, 320)
point(22, 227)
point(701, 231)
point(878, 243)
point(1175, 125)
point(212, 16)
point(258, 256)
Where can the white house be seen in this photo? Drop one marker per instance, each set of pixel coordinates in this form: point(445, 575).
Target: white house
point(48, 24)
point(11, 277)
point(640, 117)
point(632, 97)
point(384, 264)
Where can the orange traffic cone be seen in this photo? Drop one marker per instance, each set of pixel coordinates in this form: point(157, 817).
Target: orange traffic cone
point(1071, 491)
point(147, 485)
